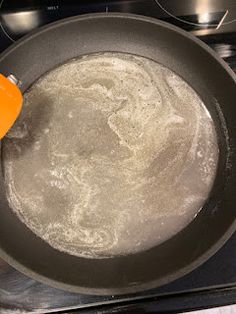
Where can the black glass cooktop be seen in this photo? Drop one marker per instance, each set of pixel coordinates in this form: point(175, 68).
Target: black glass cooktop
point(214, 283)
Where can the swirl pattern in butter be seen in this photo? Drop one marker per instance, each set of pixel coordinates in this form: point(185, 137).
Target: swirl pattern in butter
point(112, 155)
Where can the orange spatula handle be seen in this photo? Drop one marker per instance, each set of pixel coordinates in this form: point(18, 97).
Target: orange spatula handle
point(11, 100)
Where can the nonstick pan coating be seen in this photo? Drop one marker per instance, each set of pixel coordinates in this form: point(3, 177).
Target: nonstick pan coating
point(52, 45)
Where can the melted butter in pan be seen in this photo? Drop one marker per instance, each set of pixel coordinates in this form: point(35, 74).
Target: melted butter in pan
point(113, 154)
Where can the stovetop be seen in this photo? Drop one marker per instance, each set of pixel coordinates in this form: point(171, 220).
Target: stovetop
point(214, 283)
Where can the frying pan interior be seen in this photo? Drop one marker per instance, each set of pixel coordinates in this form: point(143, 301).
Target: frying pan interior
point(212, 80)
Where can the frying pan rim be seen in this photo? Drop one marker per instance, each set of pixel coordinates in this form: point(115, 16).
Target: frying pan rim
point(180, 272)
point(152, 20)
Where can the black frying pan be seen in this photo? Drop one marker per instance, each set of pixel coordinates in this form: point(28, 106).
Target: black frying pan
point(52, 45)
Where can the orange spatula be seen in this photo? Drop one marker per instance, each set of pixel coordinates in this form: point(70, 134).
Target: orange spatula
point(11, 101)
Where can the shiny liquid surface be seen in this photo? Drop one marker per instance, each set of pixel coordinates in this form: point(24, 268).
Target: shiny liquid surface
point(113, 154)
